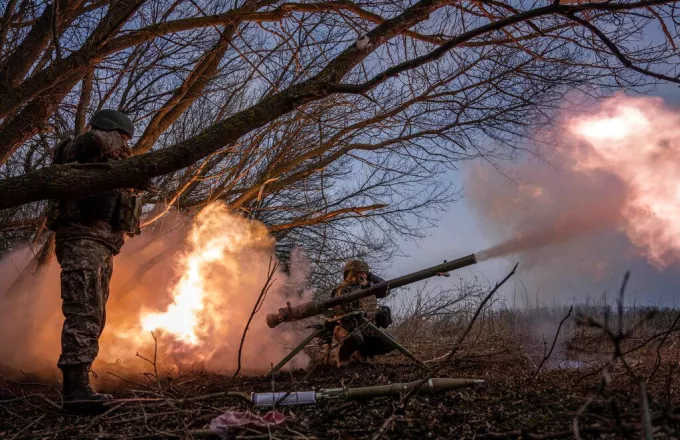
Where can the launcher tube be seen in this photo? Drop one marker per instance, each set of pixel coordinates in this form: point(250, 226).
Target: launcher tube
point(315, 307)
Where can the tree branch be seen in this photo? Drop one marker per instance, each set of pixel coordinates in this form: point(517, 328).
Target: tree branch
point(67, 181)
point(324, 217)
point(554, 8)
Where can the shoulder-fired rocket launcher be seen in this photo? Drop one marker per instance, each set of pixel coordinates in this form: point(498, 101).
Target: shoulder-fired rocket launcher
point(316, 307)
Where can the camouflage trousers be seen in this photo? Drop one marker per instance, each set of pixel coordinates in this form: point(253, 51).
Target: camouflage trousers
point(366, 343)
point(86, 268)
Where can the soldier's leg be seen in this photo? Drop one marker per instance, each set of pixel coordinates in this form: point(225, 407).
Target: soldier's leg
point(105, 282)
point(375, 346)
point(348, 346)
point(85, 277)
point(86, 272)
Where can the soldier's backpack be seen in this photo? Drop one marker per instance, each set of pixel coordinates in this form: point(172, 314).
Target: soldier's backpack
point(55, 208)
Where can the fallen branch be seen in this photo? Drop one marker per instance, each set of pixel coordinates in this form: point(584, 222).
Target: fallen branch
point(644, 409)
point(28, 426)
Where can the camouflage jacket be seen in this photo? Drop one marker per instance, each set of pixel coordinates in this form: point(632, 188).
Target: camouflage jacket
point(368, 304)
point(94, 146)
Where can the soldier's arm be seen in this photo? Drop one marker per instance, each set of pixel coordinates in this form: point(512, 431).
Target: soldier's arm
point(86, 148)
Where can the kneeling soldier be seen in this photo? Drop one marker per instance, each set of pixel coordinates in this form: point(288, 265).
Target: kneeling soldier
point(364, 343)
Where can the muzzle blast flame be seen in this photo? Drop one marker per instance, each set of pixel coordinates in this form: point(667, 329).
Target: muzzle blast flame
point(634, 142)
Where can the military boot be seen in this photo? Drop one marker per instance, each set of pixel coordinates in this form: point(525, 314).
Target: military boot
point(78, 396)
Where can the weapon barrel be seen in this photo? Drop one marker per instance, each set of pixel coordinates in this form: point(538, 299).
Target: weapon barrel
point(312, 308)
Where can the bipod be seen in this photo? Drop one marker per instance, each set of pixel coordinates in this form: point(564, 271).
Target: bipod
point(361, 319)
point(317, 332)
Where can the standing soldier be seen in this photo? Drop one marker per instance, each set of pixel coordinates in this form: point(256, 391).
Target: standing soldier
point(89, 232)
point(364, 343)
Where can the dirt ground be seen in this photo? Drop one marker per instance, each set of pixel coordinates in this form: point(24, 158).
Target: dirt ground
point(510, 404)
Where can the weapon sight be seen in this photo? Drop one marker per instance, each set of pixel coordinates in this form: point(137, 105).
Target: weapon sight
point(316, 307)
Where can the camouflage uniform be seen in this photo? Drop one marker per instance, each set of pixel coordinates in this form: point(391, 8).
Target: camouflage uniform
point(85, 250)
point(89, 232)
point(86, 267)
point(368, 342)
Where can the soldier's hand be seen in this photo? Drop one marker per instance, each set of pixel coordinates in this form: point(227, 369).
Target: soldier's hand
point(121, 153)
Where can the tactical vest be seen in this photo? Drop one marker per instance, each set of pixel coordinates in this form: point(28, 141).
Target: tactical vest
point(119, 208)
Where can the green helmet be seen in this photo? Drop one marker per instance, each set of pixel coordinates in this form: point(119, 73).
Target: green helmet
point(108, 120)
point(356, 266)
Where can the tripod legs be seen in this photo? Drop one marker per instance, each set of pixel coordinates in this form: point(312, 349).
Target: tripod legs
point(295, 351)
point(393, 342)
point(389, 339)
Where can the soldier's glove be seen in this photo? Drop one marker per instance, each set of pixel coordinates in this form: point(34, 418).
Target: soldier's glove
point(325, 338)
point(349, 323)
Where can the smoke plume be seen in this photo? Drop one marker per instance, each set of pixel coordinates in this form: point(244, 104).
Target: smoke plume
point(609, 196)
point(192, 282)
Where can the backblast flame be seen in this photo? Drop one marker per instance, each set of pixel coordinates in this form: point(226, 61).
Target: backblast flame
point(216, 242)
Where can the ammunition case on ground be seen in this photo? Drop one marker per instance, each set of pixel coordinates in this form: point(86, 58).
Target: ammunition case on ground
point(395, 389)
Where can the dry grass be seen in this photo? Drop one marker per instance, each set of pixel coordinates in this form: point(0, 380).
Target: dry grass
point(625, 386)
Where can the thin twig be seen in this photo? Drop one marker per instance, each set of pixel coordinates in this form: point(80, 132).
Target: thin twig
point(28, 426)
point(130, 381)
point(271, 270)
point(644, 409)
point(657, 363)
point(547, 356)
point(55, 31)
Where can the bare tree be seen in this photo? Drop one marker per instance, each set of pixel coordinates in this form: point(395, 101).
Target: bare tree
point(280, 110)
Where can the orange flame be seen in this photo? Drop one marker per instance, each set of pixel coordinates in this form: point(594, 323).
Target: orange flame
point(215, 243)
point(194, 281)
